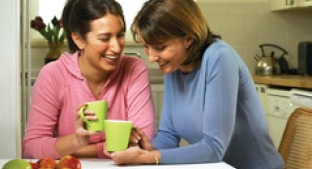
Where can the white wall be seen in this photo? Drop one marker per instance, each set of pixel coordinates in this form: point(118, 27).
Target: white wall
point(247, 25)
point(9, 73)
point(244, 24)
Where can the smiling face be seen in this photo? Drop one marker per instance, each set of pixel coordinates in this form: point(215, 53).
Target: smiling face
point(103, 45)
point(168, 55)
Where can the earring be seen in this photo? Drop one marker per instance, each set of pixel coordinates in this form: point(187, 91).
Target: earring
point(187, 47)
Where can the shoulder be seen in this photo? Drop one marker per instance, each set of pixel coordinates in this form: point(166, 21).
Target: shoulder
point(50, 69)
point(53, 67)
point(220, 57)
point(218, 46)
point(133, 64)
point(58, 69)
point(219, 49)
point(133, 60)
point(131, 73)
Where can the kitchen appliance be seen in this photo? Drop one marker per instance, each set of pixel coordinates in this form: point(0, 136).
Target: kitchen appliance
point(269, 64)
point(305, 58)
point(301, 98)
point(280, 103)
point(279, 108)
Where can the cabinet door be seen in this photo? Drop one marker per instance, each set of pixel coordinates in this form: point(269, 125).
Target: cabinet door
point(306, 3)
point(283, 4)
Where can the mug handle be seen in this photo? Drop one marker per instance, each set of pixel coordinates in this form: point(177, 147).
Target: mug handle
point(82, 115)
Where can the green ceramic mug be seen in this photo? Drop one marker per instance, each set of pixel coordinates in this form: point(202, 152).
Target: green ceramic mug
point(117, 134)
point(100, 110)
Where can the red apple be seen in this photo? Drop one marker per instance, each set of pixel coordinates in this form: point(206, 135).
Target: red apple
point(47, 162)
point(68, 161)
point(34, 165)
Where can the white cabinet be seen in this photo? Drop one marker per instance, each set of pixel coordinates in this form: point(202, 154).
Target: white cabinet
point(283, 4)
point(306, 3)
point(277, 107)
point(157, 94)
point(277, 5)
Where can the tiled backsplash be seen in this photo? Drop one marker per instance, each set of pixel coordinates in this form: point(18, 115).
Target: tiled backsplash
point(244, 25)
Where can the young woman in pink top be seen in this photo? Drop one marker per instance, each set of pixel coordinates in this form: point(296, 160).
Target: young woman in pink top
point(96, 69)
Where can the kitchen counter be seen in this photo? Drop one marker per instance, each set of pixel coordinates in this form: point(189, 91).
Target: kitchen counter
point(293, 81)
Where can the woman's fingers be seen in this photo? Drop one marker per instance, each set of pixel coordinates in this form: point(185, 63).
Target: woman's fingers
point(145, 142)
point(138, 138)
point(90, 115)
point(134, 137)
point(79, 122)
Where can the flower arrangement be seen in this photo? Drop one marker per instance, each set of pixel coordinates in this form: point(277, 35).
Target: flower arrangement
point(54, 33)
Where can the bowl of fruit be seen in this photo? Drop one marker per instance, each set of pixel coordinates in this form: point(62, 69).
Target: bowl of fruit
point(66, 162)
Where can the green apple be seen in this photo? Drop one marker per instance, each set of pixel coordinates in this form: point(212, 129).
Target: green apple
point(17, 164)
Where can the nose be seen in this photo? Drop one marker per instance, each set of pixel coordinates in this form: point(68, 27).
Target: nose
point(115, 45)
point(152, 56)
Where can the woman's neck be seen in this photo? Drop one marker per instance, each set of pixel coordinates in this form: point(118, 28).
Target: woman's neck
point(95, 79)
point(186, 69)
point(91, 74)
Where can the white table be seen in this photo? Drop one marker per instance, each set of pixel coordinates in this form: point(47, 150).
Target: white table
point(107, 164)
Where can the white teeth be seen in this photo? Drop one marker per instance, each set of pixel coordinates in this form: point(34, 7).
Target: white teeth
point(161, 63)
point(111, 57)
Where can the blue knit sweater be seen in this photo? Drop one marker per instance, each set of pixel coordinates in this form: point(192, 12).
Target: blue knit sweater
point(217, 110)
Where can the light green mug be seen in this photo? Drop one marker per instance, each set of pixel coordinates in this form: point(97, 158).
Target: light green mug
point(117, 134)
point(100, 111)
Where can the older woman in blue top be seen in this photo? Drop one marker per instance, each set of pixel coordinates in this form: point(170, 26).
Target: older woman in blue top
point(209, 99)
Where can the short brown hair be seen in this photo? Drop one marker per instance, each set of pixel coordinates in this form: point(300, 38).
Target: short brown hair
point(162, 20)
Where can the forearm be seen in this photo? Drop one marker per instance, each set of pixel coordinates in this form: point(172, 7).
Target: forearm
point(94, 150)
point(90, 150)
point(68, 145)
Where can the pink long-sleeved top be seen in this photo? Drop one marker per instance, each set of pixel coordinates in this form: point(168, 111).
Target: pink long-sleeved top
point(60, 89)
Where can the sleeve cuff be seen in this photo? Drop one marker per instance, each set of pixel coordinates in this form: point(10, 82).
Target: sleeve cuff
point(100, 147)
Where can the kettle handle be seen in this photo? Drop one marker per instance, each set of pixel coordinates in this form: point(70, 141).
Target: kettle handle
point(272, 45)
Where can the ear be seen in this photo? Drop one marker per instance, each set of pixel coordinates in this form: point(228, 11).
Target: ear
point(188, 41)
point(79, 41)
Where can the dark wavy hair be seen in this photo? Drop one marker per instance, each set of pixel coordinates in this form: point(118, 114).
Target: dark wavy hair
point(77, 15)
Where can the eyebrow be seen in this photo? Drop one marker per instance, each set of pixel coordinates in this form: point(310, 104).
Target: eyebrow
point(109, 33)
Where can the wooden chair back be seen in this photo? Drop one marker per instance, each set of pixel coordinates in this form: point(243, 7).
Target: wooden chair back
point(296, 144)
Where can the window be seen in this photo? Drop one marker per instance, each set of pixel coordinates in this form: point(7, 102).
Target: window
point(130, 11)
point(48, 9)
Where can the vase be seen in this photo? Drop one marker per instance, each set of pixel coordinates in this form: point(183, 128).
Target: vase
point(55, 50)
